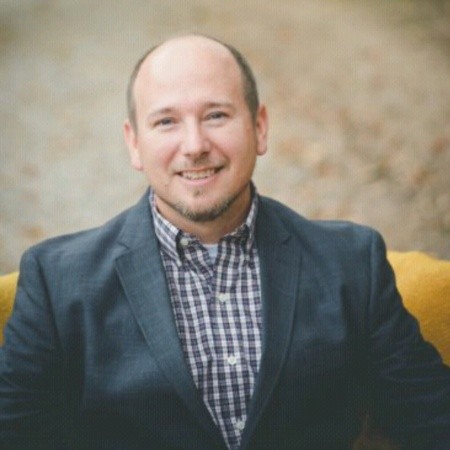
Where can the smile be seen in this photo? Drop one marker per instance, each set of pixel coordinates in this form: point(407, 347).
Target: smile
point(198, 174)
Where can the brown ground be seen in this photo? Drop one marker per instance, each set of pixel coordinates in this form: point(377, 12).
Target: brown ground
point(358, 95)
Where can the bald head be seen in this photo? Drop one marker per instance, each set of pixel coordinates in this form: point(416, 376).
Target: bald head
point(186, 47)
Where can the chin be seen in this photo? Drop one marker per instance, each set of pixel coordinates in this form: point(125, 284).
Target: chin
point(206, 213)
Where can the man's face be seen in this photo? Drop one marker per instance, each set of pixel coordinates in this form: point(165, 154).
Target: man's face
point(195, 140)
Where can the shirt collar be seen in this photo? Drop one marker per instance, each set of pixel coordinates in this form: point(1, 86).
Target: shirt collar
point(171, 238)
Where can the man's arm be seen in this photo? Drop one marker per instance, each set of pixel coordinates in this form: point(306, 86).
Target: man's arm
point(31, 375)
point(410, 386)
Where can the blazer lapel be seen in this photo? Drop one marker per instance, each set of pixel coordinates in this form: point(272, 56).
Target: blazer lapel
point(280, 262)
point(142, 275)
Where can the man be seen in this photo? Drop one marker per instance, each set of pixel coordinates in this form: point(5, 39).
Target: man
point(208, 317)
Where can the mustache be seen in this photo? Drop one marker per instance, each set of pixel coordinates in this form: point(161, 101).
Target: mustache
point(201, 162)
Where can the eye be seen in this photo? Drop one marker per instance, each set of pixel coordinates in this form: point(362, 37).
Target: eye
point(164, 122)
point(216, 115)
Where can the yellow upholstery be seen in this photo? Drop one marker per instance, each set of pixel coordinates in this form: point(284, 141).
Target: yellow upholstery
point(424, 283)
point(8, 285)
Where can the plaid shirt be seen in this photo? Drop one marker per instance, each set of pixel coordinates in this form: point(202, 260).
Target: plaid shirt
point(217, 309)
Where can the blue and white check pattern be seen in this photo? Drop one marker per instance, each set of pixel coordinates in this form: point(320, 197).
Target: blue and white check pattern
point(217, 309)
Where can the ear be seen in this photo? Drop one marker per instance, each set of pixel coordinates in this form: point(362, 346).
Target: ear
point(261, 125)
point(131, 140)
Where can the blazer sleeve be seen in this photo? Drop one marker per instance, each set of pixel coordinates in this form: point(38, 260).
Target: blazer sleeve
point(31, 413)
point(409, 384)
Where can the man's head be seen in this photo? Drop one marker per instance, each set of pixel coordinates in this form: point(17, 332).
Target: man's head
point(249, 85)
point(195, 136)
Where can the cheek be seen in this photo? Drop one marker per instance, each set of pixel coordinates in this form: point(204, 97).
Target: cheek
point(156, 154)
point(242, 151)
point(156, 166)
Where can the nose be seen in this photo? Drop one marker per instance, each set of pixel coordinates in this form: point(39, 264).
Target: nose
point(195, 142)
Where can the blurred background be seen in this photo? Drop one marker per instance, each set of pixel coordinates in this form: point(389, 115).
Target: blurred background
point(358, 95)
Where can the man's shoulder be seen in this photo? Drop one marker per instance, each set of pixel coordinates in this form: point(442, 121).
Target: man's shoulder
point(84, 245)
point(317, 234)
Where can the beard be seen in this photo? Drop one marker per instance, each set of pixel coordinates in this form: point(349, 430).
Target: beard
point(207, 214)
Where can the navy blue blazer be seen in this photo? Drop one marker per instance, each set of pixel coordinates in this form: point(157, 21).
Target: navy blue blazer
point(92, 359)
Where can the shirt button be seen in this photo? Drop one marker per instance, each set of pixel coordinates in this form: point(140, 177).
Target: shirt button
point(223, 297)
point(232, 360)
point(240, 425)
point(184, 241)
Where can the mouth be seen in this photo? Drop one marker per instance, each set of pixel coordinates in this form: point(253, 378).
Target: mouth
point(202, 174)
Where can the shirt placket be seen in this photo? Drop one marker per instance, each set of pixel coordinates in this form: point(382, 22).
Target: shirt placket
point(230, 365)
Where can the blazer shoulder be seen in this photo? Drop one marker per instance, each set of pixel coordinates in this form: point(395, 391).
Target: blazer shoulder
point(82, 247)
point(337, 235)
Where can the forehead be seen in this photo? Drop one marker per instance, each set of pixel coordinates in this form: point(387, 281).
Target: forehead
point(187, 65)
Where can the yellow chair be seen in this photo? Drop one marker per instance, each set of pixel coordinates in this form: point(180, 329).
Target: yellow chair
point(8, 285)
point(423, 281)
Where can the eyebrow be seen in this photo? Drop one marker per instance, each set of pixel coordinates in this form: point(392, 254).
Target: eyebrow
point(158, 112)
point(220, 105)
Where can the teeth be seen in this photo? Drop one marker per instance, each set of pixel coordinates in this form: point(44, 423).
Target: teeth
point(197, 175)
